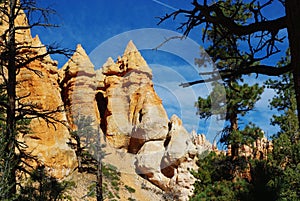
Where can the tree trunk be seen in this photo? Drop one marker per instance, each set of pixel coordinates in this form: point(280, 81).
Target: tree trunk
point(293, 24)
point(234, 127)
point(99, 182)
point(99, 189)
point(11, 109)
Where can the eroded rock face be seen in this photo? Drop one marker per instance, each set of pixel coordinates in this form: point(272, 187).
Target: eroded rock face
point(260, 149)
point(136, 122)
point(48, 137)
point(78, 83)
point(201, 143)
point(180, 146)
point(148, 162)
point(38, 93)
point(22, 35)
point(134, 113)
point(167, 163)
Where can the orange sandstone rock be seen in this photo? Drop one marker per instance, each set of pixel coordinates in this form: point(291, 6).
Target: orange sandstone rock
point(47, 140)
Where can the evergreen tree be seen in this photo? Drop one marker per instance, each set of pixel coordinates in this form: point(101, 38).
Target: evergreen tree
point(214, 180)
point(284, 162)
point(240, 97)
point(90, 154)
point(88, 149)
point(239, 100)
point(219, 175)
point(257, 39)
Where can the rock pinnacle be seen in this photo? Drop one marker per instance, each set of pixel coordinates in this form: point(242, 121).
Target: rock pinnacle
point(130, 48)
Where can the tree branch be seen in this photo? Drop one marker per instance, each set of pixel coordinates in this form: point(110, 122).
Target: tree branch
point(258, 69)
point(214, 15)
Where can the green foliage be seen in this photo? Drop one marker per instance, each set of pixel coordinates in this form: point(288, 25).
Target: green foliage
point(214, 179)
point(239, 100)
point(89, 151)
point(40, 187)
point(242, 137)
point(284, 101)
point(85, 135)
point(285, 158)
point(112, 181)
point(130, 189)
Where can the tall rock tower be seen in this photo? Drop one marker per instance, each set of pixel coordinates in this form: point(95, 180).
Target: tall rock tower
point(134, 113)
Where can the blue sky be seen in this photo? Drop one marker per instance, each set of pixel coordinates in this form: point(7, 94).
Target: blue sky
point(92, 23)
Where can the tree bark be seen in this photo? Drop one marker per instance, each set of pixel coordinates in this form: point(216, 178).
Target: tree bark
point(234, 127)
point(293, 26)
point(11, 95)
point(99, 158)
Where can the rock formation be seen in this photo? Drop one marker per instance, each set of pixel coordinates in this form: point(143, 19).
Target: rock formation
point(134, 112)
point(136, 122)
point(133, 119)
point(258, 150)
point(78, 83)
point(38, 91)
point(168, 163)
point(123, 108)
point(48, 137)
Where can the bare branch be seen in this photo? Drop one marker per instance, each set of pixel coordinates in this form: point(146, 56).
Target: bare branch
point(167, 40)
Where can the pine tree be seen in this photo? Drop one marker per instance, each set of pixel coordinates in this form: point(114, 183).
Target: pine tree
point(240, 97)
point(257, 39)
point(89, 150)
point(90, 154)
point(284, 163)
point(218, 175)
